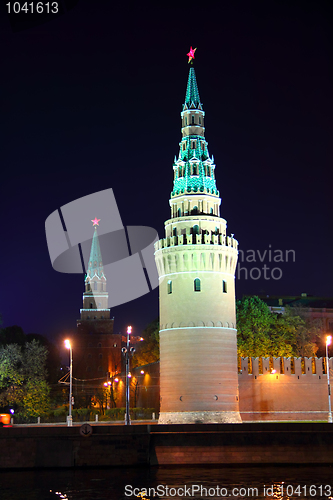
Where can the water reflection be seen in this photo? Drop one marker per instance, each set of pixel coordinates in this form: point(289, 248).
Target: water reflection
point(278, 483)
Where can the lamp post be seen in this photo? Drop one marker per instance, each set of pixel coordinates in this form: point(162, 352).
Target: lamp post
point(128, 351)
point(70, 418)
point(328, 342)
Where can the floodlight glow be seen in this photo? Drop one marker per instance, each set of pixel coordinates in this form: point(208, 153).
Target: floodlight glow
point(129, 375)
point(67, 344)
point(142, 372)
point(273, 371)
point(116, 379)
point(328, 339)
point(129, 329)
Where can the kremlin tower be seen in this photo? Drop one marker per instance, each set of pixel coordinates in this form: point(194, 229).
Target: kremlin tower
point(97, 349)
point(196, 262)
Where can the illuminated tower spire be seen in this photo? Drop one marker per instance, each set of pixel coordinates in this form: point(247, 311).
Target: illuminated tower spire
point(95, 297)
point(196, 262)
point(194, 169)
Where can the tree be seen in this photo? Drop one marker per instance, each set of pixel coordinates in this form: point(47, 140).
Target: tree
point(12, 335)
point(36, 401)
point(23, 378)
point(264, 333)
point(254, 321)
point(308, 331)
point(11, 375)
point(148, 350)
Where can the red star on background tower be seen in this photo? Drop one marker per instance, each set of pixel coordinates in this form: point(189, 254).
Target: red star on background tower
point(191, 54)
point(95, 221)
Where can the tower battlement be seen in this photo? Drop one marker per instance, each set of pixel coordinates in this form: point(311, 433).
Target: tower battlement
point(198, 239)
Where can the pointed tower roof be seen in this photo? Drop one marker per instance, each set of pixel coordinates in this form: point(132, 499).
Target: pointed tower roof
point(192, 97)
point(95, 261)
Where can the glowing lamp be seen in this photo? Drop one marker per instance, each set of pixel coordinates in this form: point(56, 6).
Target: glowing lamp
point(116, 379)
point(109, 383)
point(273, 371)
point(129, 375)
point(67, 344)
point(142, 372)
point(141, 338)
point(129, 329)
point(328, 339)
point(105, 384)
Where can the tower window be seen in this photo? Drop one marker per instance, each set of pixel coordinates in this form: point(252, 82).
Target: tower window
point(224, 286)
point(179, 212)
point(100, 356)
point(195, 170)
point(192, 119)
point(184, 146)
point(193, 145)
point(197, 285)
point(211, 211)
point(196, 229)
point(91, 305)
point(95, 285)
point(199, 120)
point(194, 210)
point(185, 120)
point(169, 286)
point(99, 345)
point(174, 231)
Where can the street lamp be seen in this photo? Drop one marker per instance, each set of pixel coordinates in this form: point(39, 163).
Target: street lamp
point(328, 342)
point(127, 351)
point(70, 418)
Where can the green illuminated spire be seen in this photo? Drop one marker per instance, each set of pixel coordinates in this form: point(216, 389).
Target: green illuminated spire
point(194, 169)
point(95, 266)
point(192, 97)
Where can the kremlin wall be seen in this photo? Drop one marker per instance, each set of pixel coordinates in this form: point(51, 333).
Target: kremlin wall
point(269, 388)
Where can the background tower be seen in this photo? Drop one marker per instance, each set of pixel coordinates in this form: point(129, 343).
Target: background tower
point(196, 262)
point(97, 350)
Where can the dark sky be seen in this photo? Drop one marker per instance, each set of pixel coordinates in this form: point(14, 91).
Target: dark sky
point(91, 100)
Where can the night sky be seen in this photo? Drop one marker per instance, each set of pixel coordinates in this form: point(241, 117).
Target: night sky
point(91, 100)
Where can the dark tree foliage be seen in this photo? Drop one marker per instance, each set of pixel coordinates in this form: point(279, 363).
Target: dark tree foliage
point(261, 332)
point(148, 350)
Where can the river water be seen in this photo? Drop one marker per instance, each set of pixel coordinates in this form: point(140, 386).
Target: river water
point(278, 483)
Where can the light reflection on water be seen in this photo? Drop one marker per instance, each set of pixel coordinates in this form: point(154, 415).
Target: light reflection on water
point(278, 483)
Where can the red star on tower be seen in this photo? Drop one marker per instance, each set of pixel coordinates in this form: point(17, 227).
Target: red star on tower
point(191, 54)
point(95, 221)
